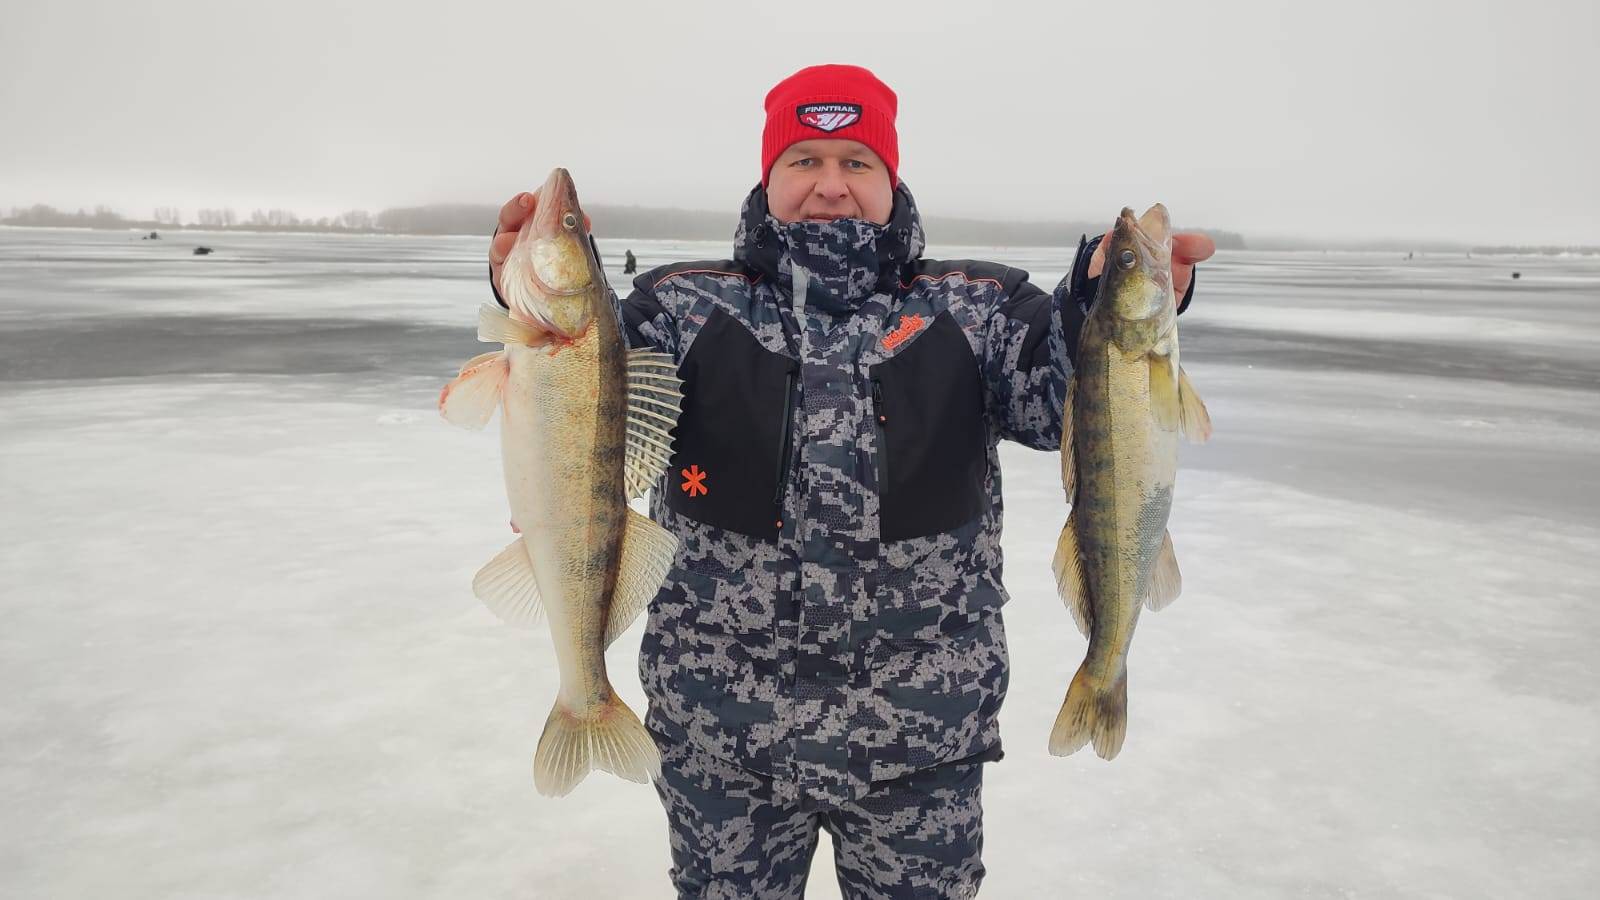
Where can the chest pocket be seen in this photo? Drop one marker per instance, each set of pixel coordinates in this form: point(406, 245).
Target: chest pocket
point(933, 450)
point(730, 448)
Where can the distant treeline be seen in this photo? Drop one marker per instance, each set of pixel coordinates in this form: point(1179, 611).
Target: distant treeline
point(1041, 234)
point(691, 224)
point(609, 221)
point(39, 215)
point(1542, 250)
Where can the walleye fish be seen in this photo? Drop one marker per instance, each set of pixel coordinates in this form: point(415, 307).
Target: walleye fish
point(584, 428)
point(1126, 405)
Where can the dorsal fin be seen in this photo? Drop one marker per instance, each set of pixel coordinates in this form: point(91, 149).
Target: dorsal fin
point(654, 395)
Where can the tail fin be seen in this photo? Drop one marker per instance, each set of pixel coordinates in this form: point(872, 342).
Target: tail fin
point(1092, 712)
point(612, 740)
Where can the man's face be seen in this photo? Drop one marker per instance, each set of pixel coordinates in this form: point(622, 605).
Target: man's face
point(823, 180)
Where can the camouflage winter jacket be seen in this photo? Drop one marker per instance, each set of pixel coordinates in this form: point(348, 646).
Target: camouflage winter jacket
point(833, 615)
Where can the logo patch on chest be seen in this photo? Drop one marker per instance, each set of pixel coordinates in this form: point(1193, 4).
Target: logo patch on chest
point(909, 325)
point(829, 116)
point(694, 481)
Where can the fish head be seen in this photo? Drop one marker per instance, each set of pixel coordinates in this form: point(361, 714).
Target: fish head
point(1138, 265)
point(553, 277)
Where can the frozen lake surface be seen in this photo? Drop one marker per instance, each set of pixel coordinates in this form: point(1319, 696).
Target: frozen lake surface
point(241, 656)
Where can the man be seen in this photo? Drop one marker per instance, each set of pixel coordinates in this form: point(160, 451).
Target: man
point(828, 650)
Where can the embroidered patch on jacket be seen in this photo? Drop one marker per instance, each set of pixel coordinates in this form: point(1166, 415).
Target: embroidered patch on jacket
point(908, 326)
point(829, 116)
point(694, 481)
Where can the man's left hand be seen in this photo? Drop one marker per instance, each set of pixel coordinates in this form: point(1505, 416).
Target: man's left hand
point(1188, 248)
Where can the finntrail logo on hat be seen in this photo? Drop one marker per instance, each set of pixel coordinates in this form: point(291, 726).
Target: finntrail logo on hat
point(828, 116)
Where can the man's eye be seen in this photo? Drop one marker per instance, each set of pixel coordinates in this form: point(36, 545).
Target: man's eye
point(858, 164)
point(803, 162)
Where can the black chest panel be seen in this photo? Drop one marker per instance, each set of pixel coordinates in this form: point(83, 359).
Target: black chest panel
point(933, 446)
point(730, 447)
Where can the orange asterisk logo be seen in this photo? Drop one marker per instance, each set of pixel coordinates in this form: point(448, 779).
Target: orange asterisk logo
point(694, 481)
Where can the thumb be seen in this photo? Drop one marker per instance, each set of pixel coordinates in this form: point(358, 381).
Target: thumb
point(1097, 262)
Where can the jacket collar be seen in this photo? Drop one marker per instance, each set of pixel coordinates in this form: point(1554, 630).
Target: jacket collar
point(842, 262)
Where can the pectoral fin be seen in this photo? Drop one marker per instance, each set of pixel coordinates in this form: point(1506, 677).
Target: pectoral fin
point(647, 552)
point(1195, 420)
point(654, 395)
point(471, 398)
point(494, 326)
point(1164, 391)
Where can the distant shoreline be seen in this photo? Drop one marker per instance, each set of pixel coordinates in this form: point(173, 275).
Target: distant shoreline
point(645, 223)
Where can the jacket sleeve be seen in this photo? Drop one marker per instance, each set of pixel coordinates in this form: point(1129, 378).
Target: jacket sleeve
point(1031, 350)
point(645, 322)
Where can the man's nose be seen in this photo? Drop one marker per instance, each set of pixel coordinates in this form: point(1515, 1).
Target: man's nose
point(831, 184)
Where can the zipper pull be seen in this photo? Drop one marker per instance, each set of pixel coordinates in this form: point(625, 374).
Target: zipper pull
point(784, 446)
point(877, 401)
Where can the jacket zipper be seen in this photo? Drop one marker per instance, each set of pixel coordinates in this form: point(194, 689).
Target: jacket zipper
point(784, 447)
point(880, 425)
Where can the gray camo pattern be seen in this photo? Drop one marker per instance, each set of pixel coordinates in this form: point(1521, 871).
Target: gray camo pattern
point(829, 661)
point(920, 836)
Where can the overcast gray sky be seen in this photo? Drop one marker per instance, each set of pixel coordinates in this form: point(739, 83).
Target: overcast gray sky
point(1458, 120)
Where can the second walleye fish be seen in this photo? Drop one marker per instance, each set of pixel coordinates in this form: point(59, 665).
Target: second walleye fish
point(584, 427)
point(1127, 403)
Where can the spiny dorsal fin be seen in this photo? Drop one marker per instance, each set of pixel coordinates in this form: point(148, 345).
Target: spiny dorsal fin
point(654, 395)
point(647, 552)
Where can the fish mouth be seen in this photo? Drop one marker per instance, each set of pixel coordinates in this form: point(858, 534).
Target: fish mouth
point(558, 198)
point(1149, 235)
point(1153, 229)
point(559, 248)
point(1156, 224)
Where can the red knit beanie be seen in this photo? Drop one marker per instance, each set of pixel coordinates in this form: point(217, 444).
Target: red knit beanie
point(841, 102)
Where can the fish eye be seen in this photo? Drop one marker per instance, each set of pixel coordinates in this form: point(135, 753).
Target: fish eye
point(1127, 258)
point(569, 222)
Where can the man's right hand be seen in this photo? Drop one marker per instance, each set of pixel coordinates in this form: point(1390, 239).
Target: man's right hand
point(515, 214)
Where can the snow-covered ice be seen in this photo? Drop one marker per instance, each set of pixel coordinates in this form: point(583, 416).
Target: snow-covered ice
point(241, 657)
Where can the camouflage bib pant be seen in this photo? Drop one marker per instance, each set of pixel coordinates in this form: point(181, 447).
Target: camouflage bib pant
point(917, 836)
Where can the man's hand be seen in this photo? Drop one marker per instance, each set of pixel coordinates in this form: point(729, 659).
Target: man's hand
point(1188, 248)
point(515, 214)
